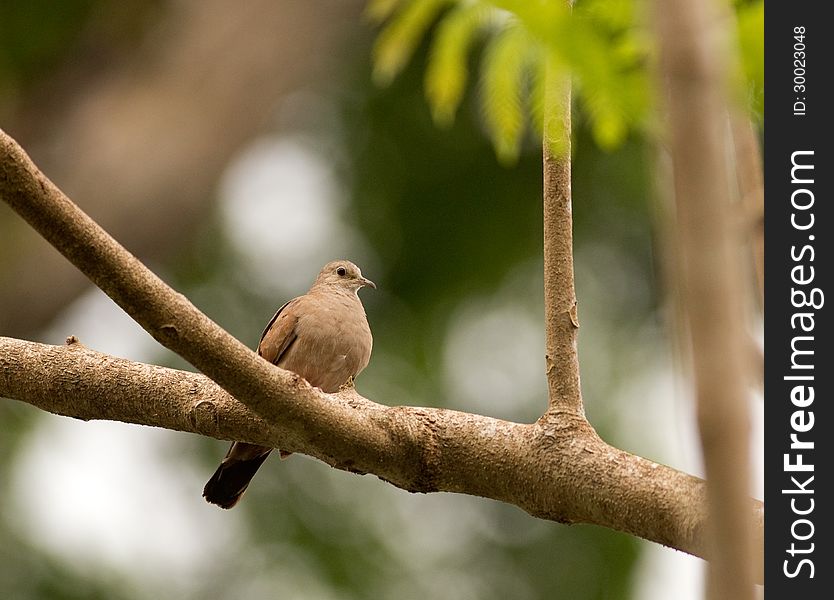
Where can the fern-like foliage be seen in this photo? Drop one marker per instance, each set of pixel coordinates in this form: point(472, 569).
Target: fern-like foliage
point(447, 70)
point(402, 33)
point(502, 83)
point(531, 48)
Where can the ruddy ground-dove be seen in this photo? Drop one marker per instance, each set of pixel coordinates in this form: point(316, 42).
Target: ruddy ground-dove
point(324, 337)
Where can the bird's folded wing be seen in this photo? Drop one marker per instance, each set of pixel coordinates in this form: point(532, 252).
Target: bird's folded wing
point(280, 333)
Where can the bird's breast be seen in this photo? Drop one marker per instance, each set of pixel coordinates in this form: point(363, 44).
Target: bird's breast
point(333, 343)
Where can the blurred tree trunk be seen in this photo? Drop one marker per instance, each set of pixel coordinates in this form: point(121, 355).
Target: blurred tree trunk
point(750, 180)
point(692, 39)
point(140, 143)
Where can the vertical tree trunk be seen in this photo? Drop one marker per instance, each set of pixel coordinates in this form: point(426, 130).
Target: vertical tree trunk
point(751, 190)
point(694, 77)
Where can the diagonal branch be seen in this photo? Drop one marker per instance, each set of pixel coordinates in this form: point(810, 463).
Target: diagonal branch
point(168, 316)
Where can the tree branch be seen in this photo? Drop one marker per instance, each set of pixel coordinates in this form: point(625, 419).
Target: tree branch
point(556, 469)
point(560, 308)
point(565, 473)
point(691, 42)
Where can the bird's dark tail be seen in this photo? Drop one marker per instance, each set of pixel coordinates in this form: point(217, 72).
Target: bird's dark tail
point(233, 475)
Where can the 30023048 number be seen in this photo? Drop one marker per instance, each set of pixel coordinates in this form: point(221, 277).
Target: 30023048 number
point(799, 59)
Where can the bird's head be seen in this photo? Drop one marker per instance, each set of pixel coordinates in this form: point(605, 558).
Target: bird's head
point(343, 274)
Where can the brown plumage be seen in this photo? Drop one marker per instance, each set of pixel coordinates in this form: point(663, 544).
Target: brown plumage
point(324, 337)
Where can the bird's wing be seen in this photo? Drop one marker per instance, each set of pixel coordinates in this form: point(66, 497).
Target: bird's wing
point(279, 333)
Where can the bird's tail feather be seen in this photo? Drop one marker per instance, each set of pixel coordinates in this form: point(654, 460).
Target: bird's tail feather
point(233, 475)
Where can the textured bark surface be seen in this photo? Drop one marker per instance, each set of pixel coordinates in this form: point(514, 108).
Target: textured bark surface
point(561, 471)
point(561, 317)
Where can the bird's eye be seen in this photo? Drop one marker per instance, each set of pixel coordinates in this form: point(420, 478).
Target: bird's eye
point(341, 271)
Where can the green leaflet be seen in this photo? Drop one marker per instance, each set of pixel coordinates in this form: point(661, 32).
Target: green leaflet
point(379, 10)
point(397, 40)
point(603, 48)
point(502, 86)
point(447, 70)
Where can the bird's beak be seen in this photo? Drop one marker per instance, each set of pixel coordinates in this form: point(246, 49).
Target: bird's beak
point(368, 282)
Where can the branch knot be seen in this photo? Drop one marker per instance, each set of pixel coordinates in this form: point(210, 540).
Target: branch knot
point(204, 417)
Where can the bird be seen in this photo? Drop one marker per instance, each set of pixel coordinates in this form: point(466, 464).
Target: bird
point(322, 336)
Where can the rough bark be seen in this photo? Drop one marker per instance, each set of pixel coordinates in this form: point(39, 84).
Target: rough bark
point(560, 306)
point(691, 42)
point(559, 471)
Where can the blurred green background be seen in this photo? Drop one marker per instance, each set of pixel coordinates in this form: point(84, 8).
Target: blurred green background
point(236, 150)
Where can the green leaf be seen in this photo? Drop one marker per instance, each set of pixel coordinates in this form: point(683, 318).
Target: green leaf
point(609, 129)
point(539, 64)
point(447, 71)
point(379, 10)
point(613, 14)
point(543, 19)
point(602, 47)
point(502, 82)
point(610, 74)
point(396, 42)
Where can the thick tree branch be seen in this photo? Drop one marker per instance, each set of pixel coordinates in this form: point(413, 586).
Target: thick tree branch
point(556, 469)
point(563, 473)
point(691, 47)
